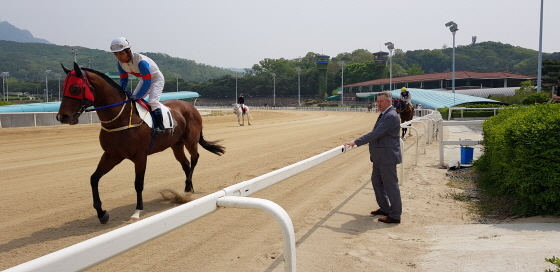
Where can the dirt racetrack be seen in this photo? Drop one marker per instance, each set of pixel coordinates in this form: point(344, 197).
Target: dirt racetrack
point(46, 199)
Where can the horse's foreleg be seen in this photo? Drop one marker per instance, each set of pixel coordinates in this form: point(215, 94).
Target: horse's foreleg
point(105, 165)
point(248, 119)
point(140, 169)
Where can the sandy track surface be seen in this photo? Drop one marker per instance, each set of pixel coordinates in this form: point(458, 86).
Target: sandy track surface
point(46, 200)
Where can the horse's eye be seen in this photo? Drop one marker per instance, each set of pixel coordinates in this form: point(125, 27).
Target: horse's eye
point(75, 90)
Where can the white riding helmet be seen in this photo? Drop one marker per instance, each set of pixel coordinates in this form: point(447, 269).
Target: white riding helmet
point(119, 44)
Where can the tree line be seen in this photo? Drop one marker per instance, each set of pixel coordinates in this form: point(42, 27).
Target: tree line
point(27, 63)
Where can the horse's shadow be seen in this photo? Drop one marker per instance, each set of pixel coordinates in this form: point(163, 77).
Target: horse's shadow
point(119, 216)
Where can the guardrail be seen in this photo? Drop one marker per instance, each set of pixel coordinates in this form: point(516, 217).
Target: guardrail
point(101, 248)
point(462, 109)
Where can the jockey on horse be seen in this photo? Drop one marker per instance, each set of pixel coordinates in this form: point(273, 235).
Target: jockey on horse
point(144, 68)
point(406, 96)
point(241, 102)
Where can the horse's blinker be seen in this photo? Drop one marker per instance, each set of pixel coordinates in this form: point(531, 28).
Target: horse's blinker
point(83, 93)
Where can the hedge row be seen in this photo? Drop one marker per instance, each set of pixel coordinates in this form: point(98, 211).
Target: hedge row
point(521, 158)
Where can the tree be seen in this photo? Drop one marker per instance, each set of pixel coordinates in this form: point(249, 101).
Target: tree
point(415, 69)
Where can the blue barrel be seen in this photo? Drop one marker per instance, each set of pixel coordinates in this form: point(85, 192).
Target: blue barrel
point(467, 153)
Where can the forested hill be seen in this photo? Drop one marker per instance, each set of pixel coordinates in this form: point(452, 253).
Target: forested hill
point(29, 61)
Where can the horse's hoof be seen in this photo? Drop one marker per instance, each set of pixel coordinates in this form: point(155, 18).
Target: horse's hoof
point(105, 218)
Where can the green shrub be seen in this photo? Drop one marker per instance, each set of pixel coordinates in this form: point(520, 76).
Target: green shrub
point(555, 261)
point(521, 158)
point(540, 97)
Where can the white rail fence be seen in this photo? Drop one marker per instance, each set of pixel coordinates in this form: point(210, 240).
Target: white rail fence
point(96, 250)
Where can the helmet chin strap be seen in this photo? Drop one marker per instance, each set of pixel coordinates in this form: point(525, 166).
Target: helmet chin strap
point(129, 54)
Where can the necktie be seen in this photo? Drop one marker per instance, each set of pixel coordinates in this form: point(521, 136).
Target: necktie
point(379, 117)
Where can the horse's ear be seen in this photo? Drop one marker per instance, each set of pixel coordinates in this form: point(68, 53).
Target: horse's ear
point(65, 69)
point(77, 70)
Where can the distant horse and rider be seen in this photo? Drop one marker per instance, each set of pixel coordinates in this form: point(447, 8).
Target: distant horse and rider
point(125, 130)
point(405, 111)
point(241, 111)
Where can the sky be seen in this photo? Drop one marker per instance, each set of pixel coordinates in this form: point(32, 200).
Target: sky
point(240, 33)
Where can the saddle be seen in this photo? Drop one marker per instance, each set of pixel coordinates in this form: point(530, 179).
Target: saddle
point(144, 111)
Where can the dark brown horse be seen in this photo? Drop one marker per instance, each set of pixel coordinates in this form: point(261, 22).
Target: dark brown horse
point(125, 136)
point(405, 111)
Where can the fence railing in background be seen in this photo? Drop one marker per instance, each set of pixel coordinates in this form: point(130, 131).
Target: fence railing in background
point(462, 109)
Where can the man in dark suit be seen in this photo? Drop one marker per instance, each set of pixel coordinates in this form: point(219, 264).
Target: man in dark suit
point(385, 154)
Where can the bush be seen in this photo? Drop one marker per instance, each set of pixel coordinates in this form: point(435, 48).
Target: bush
point(540, 97)
point(521, 158)
point(554, 261)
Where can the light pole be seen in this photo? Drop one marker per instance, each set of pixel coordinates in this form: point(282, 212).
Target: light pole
point(274, 90)
point(341, 63)
point(75, 53)
point(390, 46)
point(453, 28)
point(58, 75)
point(235, 98)
point(539, 75)
point(47, 84)
point(298, 70)
point(4, 75)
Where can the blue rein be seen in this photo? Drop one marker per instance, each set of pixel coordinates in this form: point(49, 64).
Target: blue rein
point(109, 106)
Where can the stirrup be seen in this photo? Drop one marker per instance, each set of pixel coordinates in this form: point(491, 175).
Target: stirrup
point(157, 130)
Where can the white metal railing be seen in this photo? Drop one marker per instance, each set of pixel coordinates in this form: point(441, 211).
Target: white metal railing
point(101, 248)
point(433, 118)
point(462, 109)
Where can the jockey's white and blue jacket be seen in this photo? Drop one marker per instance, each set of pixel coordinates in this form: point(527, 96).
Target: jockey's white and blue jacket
point(151, 78)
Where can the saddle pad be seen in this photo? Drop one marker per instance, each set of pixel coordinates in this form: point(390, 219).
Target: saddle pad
point(168, 121)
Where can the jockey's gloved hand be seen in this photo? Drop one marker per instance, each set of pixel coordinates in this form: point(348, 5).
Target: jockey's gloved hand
point(133, 97)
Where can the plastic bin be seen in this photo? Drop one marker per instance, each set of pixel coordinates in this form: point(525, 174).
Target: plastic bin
point(467, 153)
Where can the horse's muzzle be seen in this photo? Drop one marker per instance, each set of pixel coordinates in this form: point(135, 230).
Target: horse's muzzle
point(67, 119)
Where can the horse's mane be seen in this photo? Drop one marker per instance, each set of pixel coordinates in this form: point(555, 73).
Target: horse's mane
point(106, 78)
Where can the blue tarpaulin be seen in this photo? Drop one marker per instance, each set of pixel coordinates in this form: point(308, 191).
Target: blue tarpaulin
point(54, 106)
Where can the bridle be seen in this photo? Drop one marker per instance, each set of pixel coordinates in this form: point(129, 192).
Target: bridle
point(85, 93)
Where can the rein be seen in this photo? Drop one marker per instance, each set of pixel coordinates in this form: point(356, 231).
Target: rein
point(108, 106)
point(130, 125)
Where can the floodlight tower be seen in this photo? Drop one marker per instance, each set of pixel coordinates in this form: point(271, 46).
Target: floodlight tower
point(47, 84)
point(273, 89)
point(390, 46)
point(453, 28)
point(75, 53)
point(298, 70)
point(342, 64)
point(5, 75)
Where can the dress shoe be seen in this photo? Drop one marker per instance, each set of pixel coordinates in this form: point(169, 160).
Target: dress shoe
point(389, 220)
point(379, 212)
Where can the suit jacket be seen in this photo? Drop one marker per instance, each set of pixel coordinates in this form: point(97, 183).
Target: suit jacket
point(384, 139)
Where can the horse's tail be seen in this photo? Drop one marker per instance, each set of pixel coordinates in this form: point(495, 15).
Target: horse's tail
point(211, 146)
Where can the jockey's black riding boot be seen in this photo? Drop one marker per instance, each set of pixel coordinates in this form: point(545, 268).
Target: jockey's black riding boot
point(158, 126)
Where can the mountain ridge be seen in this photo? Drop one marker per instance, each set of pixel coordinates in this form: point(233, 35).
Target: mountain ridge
point(9, 32)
